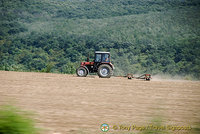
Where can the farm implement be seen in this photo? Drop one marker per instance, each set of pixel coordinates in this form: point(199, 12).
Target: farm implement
point(144, 76)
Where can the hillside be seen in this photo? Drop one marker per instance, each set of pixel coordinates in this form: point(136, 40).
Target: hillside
point(143, 36)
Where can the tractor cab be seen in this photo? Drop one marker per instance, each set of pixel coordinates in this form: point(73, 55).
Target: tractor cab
point(101, 65)
point(102, 57)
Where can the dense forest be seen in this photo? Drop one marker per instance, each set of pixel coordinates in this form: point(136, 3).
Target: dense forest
point(143, 36)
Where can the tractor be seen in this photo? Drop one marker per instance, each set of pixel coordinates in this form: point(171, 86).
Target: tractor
point(101, 65)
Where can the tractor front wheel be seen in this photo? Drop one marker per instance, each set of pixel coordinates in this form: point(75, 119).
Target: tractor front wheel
point(104, 71)
point(81, 72)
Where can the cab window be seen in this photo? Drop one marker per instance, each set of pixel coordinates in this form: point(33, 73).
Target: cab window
point(98, 58)
point(105, 58)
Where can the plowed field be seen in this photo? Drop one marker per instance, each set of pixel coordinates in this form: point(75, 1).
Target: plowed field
point(67, 104)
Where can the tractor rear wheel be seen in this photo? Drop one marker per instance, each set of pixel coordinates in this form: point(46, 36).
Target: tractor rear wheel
point(81, 72)
point(104, 71)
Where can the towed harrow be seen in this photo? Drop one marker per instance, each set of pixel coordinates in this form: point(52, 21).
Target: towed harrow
point(146, 77)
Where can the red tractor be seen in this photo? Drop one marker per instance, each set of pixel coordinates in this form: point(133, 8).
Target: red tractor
point(101, 65)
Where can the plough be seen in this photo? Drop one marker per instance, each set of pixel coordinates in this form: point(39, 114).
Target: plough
point(146, 77)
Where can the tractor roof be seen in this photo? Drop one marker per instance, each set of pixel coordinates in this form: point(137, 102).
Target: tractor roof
point(102, 52)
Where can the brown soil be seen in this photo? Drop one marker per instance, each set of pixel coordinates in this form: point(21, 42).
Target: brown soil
point(67, 104)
